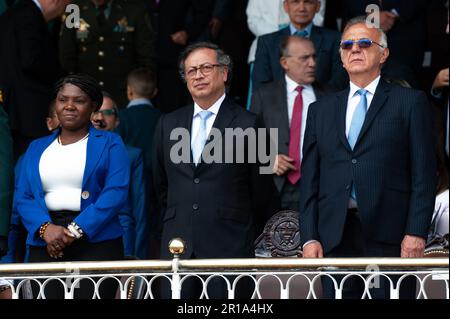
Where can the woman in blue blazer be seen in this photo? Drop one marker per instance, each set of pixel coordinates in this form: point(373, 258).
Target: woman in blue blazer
point(73, 185)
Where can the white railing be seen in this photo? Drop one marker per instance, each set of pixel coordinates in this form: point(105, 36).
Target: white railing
point(277, 278)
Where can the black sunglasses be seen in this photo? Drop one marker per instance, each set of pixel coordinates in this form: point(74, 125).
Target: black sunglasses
point(362, 44)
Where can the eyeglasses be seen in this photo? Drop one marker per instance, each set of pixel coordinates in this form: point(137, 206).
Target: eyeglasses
point(205, 69)
point(362, 44)
point(107, 112)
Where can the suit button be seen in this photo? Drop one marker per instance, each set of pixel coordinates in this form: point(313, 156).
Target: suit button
point(101, 53)
point(195, 207)
point(85, 195)
point(354, 161)
point(101, 39)
point(100, 68)
point(197, 180)
point(101, 83)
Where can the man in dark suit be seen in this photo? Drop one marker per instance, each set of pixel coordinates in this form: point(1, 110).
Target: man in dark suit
point(215, 206)
point(283, 107)
point(29, 67)
point(368, 179)
point(301, 13)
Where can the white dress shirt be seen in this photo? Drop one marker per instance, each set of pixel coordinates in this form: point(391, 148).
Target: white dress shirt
point(61, 169)
point(353, 100)
point(308, 98)
point(196, 121)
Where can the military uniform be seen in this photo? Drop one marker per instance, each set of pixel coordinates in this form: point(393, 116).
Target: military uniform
point(109, 45)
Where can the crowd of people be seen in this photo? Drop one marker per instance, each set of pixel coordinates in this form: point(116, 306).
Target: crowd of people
point(362, 132)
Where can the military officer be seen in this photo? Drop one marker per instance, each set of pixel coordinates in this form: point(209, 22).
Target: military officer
point(112, 38)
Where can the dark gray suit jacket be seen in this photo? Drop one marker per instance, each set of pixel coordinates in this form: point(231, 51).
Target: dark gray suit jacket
point(393, 167)
point(270, 102)
point(329, 71)
point(215, 207)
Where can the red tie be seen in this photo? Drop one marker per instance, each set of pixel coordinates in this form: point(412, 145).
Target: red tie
point(294, 136)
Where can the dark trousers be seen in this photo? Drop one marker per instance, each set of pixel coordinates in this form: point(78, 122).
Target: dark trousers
point(290, 196)
point(354, 245)
point(80, 250)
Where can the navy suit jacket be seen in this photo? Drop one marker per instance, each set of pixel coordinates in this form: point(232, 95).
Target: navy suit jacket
point(329, 69)
point(215, 207)
point(106, 177)
point(393, 167)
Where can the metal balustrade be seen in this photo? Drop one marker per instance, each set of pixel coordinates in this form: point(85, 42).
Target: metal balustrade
point(282, 278)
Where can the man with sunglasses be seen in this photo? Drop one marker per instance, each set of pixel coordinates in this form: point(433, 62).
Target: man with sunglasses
point(368, 172)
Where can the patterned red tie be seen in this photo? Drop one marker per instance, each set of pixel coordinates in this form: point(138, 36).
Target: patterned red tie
point(294, 136)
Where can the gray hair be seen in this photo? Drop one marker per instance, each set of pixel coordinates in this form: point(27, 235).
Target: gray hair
point(285, 42)
point(222, 58)
point(363, 20)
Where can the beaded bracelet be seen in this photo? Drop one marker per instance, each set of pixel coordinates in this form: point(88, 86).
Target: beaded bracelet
point(42, 229)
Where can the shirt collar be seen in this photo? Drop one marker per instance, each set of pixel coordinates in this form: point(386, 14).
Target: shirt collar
point(213, 108)
point(308, 29)
point(291, 85)
point(370, 88)
point(139, 102)
point(36, 2)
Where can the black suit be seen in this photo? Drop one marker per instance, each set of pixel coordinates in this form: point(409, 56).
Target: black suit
point(270, 102)
point(393, 168)
point(329, 69)
point(28, 70)
point(214, 207)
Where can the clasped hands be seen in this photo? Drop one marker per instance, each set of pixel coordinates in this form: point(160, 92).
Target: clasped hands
point(57, 238)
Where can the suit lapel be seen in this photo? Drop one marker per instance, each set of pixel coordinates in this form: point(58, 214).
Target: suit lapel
point(95, 146)
point(378, 101)
point(280, 113)
point(341, 111)
point(34, 169)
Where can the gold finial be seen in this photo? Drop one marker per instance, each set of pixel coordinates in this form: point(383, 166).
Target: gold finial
point(177, 246)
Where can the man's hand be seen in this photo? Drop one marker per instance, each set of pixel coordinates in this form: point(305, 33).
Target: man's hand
point(283, 163)
point(387, 20)
point(313, 250)
point(412, 247)
point(180, 37)
point(441, 80)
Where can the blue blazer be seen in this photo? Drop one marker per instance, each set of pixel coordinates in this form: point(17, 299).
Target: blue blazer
point(106, 178)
